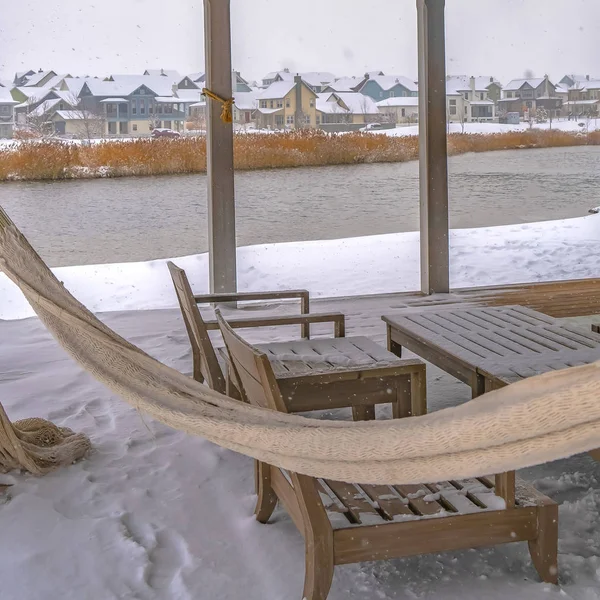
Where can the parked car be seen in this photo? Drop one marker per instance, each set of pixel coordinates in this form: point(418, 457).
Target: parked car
point(167, 133)
point(372, 127)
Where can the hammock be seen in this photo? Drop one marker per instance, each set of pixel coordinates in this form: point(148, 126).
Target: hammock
point(531, 422)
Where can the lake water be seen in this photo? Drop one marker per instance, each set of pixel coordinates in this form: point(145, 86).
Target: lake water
point(130, 219)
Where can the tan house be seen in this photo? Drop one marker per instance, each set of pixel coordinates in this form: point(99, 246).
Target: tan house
point(287, 105)
point(350, 108)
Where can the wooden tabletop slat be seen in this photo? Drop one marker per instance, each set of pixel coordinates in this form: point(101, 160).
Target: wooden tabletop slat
point(416, 495)
point(358, 504)
point(389, 500)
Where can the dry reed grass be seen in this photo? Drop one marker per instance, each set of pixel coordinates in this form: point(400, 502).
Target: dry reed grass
point(51, 159)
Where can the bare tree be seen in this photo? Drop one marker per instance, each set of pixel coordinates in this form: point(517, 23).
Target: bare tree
point(89, 123)
point(37, 118)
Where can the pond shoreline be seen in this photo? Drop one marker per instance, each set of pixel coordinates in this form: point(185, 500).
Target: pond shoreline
point(51, 160)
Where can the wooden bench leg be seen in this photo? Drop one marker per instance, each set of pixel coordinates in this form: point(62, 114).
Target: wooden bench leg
point(363, 413)
point(544, 549)
point(267, 499)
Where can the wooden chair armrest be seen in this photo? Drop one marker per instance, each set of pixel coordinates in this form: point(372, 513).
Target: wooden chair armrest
point(338, 320)
point(249, 296)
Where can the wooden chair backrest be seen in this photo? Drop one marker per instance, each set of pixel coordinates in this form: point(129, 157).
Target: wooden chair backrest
point(251, 369)
point(206, 365)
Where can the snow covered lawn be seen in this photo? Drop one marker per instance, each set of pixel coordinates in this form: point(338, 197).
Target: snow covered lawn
point(552, 250)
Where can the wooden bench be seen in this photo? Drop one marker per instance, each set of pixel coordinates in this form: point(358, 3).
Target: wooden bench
point(347, 523)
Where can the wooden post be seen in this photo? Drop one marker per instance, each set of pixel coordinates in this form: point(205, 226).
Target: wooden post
point(433, 153)
point(219, 149)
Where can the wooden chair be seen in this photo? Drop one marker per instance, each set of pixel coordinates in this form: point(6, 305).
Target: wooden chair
point(347, 523)
point(312, 374)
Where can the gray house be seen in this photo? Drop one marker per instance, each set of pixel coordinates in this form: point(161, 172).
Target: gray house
point(7, 113)
point(525, 95)
point(381, 87)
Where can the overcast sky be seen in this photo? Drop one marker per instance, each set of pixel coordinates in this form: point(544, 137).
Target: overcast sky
point(348, 37)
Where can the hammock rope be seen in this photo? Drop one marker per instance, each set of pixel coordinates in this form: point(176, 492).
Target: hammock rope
point(531, 422)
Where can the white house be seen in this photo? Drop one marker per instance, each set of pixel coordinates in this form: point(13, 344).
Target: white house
point(400, 110)
point(472, 99)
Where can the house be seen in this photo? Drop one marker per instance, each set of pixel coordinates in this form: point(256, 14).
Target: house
point(583, 98)
point(317, 80)
point(400, 110)
point(351, 108)
point(287, 104)
point(134, 104)
point(527, 95)
point(274, 76)
point(569, 81)
point(244, 108)
point(380, 87)
point(472, 99)
point(7, 114)
point(36, 105)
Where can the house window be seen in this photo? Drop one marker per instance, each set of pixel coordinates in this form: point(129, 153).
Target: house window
point(168, 109)
point(280, 103)
point(312, 103)
point(110, 108)
point(466, 95)
point(61, 106)
point(392, 94)
point(403, 112)
point(452, 106)
point(481, 96)
point(466, 111)
point(263, 104)
point(278, 120)
point(271, 104)
point(287, 103)
point(289, 120)
point(142, 106)
point(318, 119)
point(112, 128)
point(509, 94)
point(307, 119)
point(381, 94)
point(134, 127)
point(134, 107)
point(160, 109)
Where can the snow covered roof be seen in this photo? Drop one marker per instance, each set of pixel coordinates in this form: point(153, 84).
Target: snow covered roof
point(196, 77)
point(481, 103)
point(561, 90)
point(462, 83)
point(161, 86)
point(34, 80)
point(346, 103)
point(274, 74)
point(346, 84)
point(402, 101)
point(387, 82)
point(112, 100)
point(165, 99)
point(56, 81)
point(517, 84)
point(5, 97)
point(581, 102)
point(279, 89)
point(189, 95)
point(43, 108)
point(35, 93)
point(246, 100)
point(70, 115)
point(269, 111)
point(170, 73)
point(317, 78)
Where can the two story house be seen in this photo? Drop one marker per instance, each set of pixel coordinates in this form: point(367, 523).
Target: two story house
point(7, 115)
point(525, 96)
point(472, 99)
point(287, 104)
point(583, 98)
point(380, 87)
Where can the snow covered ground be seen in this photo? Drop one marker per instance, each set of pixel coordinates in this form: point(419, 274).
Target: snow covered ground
point(489, 128)
point(155, 514)
point(551, 250)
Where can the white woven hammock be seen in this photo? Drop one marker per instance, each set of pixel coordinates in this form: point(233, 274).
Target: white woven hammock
point(535, 421)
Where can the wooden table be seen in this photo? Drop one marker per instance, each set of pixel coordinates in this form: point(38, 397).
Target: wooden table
point(488, 348)
point(479, 344)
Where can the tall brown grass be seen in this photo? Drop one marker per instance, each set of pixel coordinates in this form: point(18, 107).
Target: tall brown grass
point(30, 160)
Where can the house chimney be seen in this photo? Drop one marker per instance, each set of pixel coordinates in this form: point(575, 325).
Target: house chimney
point(299, 115)
point(587, 77)
point(492, 79)
point(472, 83)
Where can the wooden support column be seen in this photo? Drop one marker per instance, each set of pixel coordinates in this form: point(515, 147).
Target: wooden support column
point(219, 149)
point(433, 153)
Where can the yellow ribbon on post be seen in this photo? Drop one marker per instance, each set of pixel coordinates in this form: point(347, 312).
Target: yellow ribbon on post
point(226, 112)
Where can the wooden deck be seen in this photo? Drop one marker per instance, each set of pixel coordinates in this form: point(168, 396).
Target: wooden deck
point(560, 299)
